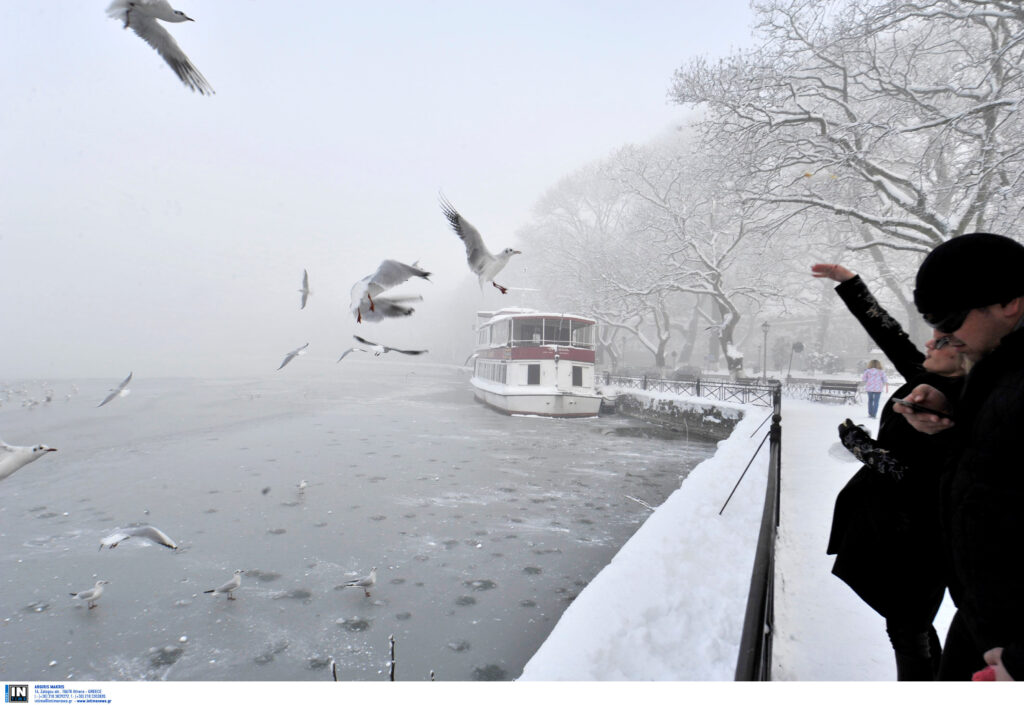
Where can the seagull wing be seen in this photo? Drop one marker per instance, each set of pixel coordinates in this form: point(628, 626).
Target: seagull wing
point(114, 539)
point(124, 383)
point(390, 274)
point(153, 534)
point(154, 34)
point(292, 355)
point(348, 351)
point(408, 352)
point(305, 288)
point(477, 254)
point(112, 395)
point(364, 341)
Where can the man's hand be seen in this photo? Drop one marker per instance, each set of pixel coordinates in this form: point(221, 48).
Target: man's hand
point(835, 272)
point(994, 658)
point(925, 395)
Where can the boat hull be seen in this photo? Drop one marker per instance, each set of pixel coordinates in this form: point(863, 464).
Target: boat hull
point(557, 405)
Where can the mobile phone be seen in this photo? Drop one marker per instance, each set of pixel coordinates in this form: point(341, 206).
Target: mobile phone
point(918, 409)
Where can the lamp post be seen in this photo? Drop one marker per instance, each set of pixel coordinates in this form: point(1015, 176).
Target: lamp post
point(764, 352)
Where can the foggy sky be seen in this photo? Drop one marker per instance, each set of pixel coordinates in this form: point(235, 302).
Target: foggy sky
point(147, 228)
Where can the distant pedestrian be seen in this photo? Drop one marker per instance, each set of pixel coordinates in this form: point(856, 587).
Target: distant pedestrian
point(874, 384)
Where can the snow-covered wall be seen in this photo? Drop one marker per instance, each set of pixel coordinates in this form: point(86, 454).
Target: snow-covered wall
point(670, 605)
point(712, 420)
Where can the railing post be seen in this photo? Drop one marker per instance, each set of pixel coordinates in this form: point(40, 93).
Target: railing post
point(696, 387)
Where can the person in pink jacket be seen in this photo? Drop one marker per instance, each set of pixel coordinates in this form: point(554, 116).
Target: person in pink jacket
point(874, 384)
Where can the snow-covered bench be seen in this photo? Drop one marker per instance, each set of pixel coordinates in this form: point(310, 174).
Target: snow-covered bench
point(831, 390)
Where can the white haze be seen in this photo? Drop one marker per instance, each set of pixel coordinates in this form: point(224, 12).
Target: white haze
point(147, 228)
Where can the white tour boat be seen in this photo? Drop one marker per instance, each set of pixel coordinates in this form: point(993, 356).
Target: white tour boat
point(527, 362)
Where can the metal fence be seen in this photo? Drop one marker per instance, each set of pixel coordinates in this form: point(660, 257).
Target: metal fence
point(754, 662)
point(754, 392)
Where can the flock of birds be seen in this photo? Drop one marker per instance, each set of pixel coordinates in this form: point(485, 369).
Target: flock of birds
point(368, 302)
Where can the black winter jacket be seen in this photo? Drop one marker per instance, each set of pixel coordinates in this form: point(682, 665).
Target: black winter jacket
point(885, 531)
point(983, 502)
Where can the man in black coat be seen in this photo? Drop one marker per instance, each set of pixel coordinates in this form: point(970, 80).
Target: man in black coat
point(972, 287)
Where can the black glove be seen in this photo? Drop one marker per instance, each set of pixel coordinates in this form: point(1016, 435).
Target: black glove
point(866, 449)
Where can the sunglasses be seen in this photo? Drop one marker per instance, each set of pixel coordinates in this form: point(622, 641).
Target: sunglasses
point(946, 322)
point(943, 342)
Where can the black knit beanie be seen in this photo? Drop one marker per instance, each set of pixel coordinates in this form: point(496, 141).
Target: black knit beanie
point(970, 271)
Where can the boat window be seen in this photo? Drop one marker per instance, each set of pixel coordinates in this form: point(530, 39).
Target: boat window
point(533, 374)
point(577, 376)
point(582, 334)
point(556, 331)
point(527, 331)
point(499, 333)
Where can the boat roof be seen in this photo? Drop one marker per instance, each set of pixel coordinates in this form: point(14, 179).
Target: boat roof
point(514, 312)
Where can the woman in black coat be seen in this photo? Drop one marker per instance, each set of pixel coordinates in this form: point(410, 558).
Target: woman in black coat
point(885, 529)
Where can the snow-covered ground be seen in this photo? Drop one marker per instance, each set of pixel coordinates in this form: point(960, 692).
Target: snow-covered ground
point(670, 604)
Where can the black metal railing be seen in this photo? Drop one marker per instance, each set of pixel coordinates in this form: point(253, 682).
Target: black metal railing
point(754, 392)
point(754, 662)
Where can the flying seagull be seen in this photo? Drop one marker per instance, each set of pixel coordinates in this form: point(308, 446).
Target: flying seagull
point(351, 350)
point(90, 596)
point(120, 391)
point(13, 458)
point(229, 587)
point(378, 349)
point(366, 582)
point(305, 288)
point(143, 532)
point(142, 16)
point(367, 305)
point(482, 263)
point(294, 354)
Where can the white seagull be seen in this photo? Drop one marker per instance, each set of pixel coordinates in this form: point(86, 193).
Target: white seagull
point(305, 288)
point(90, 596)
point(142, 16)
point(229, 587)
point(13, 458)
point(366, 582)
point(351, 350)
point(482, 263)
point(378, 349)
point(367, 305)
point(294, 354)
point(120, 390)
point(143, 532)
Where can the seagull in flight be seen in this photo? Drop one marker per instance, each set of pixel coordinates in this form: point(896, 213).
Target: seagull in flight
point(366, 582)
point(294, 354)
point(143, 532)
point(305, 288)
point(229, 587)
point(481, 262)
point(13, 458)
point(378, 349)
point(142, 16)
point(90, 596)
point(120, 390)
point(367, 305)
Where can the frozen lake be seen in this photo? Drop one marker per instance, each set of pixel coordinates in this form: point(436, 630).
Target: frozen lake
point(483, 528)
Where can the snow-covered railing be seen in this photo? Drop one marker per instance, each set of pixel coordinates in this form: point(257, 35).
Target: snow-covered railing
point(755, 655)
point(754, 392)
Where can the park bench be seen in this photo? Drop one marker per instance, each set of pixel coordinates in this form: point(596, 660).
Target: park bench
point(830, 390)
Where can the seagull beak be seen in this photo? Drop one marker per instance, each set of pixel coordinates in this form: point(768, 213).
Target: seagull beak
point(189, 18)
point(516, 252)
point(49, 450)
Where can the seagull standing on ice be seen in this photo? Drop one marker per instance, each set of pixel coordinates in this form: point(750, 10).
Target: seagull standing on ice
point(142, 16)
point(120, 390)
point(294, 354)
point(229, 587)
point(365, 302)
point(143, 532)
point(305, 288)
point(482, 263)
point(13, 458)
point(366, 582)
point(90, 596)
